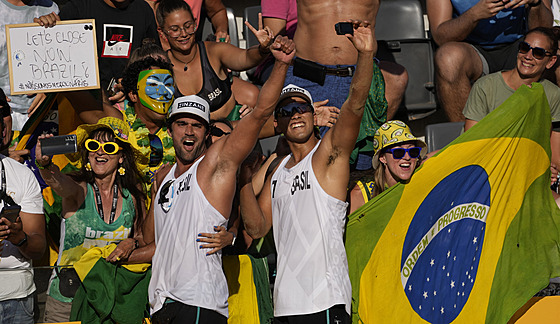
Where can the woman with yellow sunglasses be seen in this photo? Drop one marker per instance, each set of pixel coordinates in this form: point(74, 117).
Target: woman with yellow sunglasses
point(102, 203)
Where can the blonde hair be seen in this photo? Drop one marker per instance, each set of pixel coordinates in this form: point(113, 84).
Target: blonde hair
point(379, 180)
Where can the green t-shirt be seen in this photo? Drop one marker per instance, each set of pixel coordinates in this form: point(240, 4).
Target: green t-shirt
point(490, 91)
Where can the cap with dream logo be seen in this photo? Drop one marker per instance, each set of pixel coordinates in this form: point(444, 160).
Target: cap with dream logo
point(193, 105)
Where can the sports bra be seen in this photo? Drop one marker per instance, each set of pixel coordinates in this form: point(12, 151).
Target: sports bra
point(215, 91)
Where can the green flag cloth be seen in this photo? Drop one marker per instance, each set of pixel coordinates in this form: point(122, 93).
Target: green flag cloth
point(110, 293)
point(474, 234)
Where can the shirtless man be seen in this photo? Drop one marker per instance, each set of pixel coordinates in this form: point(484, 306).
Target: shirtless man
point(316, 20)
point(187, 282)
point(319, 43)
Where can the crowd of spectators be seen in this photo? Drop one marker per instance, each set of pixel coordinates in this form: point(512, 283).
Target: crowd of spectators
point(169, 170)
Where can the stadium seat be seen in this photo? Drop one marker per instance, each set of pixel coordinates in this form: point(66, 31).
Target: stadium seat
point(232, 28)
point(439, 135)
point(401, 37)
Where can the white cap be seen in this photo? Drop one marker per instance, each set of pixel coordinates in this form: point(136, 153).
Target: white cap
point(193, 105)
point(292, 90)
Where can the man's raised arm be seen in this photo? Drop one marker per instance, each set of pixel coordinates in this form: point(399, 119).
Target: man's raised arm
point(344, 133)
point(243, 137)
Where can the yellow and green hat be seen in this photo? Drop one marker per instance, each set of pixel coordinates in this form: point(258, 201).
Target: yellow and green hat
point(118, 126)
point(391, 133)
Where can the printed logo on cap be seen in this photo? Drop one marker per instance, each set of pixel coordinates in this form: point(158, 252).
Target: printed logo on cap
point(293, 89)
point(191, 104)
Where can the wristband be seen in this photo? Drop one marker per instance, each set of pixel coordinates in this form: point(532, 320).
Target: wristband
point(41, 167)
point(234, 237)
point(22, 242)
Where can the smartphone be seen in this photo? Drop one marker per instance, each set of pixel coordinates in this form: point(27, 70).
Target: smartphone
point(111, 89)
point(11, 213)
point(343, 28)
point(59, 145)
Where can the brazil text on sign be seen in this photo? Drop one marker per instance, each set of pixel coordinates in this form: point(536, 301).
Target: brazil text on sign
point(60, 58)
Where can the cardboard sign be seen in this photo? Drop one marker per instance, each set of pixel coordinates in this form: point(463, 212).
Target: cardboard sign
point(60, 58)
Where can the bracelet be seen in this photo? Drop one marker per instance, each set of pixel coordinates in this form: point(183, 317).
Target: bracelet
point(22, 242)
point(535, 4)
point(43, 167)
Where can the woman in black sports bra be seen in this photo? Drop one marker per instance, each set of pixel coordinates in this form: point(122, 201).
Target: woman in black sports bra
point(201, 67)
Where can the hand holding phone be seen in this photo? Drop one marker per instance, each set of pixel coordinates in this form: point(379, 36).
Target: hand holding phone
point(343, 28)
point(58, 145)
point(112, 88)
point(11, 213)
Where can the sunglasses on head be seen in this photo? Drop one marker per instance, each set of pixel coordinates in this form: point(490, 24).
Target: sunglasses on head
point(292, 108)
point(215, 131)
point(399, 152)
point(538, 52)
point(108, 147)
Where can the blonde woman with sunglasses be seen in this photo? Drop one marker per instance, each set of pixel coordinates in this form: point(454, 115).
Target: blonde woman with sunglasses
point(102, 203)
point(397, 155)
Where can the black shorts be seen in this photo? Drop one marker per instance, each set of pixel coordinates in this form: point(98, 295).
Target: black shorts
point(334, 315)
point(176, 312)
point(499, 58)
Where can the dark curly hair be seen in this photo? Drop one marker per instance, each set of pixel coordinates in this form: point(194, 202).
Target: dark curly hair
point(149, 48)
point(130, 74)
point(131, 180)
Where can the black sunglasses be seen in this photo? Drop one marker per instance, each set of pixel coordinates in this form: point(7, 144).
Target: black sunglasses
point(538, 52)
point(292, 108)
point(215, 131)
point(399, 152)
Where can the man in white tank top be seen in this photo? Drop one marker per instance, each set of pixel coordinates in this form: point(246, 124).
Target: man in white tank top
point(305, 200)
point(188, 284)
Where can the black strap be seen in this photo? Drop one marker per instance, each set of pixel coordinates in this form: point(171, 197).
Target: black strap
point(99, 203)
point(7, 199)
point(272, 166)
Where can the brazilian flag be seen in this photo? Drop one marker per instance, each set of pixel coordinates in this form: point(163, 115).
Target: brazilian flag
point(473, 236)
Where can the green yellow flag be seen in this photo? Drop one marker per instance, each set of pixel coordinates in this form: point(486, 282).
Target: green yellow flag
point(110, 293)
point(473, 236)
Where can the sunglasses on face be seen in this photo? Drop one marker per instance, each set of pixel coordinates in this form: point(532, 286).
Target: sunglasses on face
point(108, 147)
point(292, 108)
point(538, 52)
point(399, 152)
point(215, 131)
